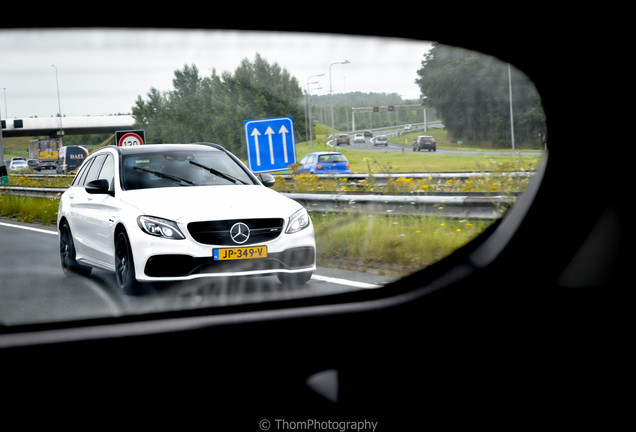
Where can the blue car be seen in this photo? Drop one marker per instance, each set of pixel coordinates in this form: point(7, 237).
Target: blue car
point(324, 163)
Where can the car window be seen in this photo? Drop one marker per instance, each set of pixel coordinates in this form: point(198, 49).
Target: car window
point(107, 171)
point(310, 158)
point(95, 168)
point(332, 158)
point(81, 174)
point(405, 206)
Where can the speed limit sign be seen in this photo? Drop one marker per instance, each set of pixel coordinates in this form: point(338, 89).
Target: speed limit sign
point(130, 138)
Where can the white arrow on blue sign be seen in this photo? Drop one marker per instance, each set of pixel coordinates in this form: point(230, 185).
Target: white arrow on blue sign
point(270, 144)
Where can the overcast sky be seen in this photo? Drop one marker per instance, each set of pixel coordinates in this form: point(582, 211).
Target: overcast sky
point(101, 73)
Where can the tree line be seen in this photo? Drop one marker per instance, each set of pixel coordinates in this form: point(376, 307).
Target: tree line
point(213, 108)
point(471, 93)
point(468, 91)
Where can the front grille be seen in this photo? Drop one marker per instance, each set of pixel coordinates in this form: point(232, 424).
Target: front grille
point(218, 232)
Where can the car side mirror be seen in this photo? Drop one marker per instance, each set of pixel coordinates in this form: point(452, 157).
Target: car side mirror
point(267, 179)
point(99, 186)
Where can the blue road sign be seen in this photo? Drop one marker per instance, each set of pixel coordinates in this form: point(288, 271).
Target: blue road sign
point(270, 144)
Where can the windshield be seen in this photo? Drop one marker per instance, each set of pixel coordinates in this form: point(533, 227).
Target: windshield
point(270, 99)
point(332, 158)
point(156, 170)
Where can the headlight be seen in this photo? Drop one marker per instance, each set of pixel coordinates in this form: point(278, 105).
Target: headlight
point(298, 221)
point(160, 227)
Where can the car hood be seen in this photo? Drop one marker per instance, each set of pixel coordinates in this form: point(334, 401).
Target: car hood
point(187, 204)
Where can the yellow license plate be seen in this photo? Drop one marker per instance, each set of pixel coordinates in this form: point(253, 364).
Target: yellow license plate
point(239, 253)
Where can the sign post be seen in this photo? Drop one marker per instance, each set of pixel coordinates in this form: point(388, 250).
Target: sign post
point(130, 138)
point(270, 144)
point(4, 178)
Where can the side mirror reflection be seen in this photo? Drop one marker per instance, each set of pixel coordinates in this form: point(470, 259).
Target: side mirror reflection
point(100, 186)
point(267, 179)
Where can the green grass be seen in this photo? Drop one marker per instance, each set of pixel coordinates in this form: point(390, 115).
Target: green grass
point(29, 209)
point(424, 161)
point(392, 245)
point(18, 146)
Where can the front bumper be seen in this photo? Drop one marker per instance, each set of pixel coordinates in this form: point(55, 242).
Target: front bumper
point(427, 146)
point(159, 259)
point(184, 266)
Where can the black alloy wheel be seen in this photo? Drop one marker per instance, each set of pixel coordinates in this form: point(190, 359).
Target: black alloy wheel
point(67, 254)
point(124, 265)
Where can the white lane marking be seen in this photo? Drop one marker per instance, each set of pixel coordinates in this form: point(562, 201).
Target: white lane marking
point(29, 228)
point(345, 282)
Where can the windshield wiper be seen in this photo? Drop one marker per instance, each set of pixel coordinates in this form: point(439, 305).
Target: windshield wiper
point(218, 173)
point(166, 176)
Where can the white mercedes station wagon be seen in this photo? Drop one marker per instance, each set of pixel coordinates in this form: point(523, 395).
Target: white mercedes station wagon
point(167, 212)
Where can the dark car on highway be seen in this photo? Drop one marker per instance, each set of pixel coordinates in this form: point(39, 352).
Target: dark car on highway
point(46, 166)
point(425, 143)
point(343, 139)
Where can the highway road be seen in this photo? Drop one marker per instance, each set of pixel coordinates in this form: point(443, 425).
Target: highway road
point(408, 148)
point(33, 288)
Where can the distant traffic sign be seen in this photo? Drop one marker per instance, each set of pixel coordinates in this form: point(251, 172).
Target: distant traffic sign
point(270, 144)
point(130, 138)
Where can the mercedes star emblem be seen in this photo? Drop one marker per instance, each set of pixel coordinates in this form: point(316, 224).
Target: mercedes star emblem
point(240, 233)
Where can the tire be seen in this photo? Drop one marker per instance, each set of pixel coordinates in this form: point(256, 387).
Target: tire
point(125, 266)
point(67, 254)
point(294, 279)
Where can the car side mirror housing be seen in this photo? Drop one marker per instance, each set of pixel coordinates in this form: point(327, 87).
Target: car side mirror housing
point(267, 179)
point(99, 186)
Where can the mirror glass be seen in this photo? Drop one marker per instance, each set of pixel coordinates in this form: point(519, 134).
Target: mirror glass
point(401, 151)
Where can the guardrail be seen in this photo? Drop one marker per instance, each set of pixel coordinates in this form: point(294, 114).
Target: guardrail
point(463, 206)
point(32, 191)
point(468, 205)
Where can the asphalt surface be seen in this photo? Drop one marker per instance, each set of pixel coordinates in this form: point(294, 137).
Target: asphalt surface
point(33, 288)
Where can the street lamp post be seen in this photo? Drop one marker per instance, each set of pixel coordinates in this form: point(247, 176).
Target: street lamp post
point(512, 122)
point(311, 136)
point(59, 105)
point(424, 109)
point(333, 130)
